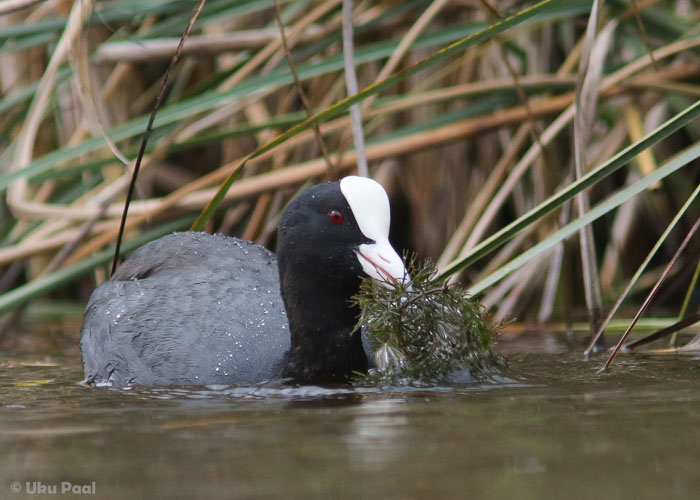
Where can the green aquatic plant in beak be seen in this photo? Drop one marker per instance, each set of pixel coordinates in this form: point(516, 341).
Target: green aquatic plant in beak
point(423, 330)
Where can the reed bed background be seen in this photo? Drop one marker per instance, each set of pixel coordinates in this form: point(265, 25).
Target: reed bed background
point(544, 155)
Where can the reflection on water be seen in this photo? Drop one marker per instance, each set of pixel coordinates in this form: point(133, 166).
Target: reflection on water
point(376, 431)
point(558, 431)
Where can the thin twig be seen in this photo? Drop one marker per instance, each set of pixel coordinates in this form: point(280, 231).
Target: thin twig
point(149, 129)
point(264, 55)
point(633, 280)
point(669, 330)
point(534, 128)
point(10, 275)
point(332, 169)
point(84, 230)
point(689, 292)
point(651, 295)
point(645, 37)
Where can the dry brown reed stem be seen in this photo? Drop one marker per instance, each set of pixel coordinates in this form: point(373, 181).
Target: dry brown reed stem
point(406, 41)
point(102, 199)
point(68, 248)
point(652, 83)
point(554, 271)
point(607, 85)
point(149, 129)
point(13, 253)
point(622, 229)
point(485, 193)
point(92, 113)
point(203, 45)
point(396, 56)
point(188, 128)
point(504, 254)
point(590, 73)
point(39, 211)
point(10, 6)
point(143, 102)
point(425, 98)
point(17, 191)
point(167, 202)
point(330, 23)
point(669, 331)
point(638, 280)
point(52, 210)
point(635, 125)
point(257, 217)
point(122, 69)
point(257, 113)
point(332, 170)
point(573, 56)
point(652, 293)
point(515, 286)
point(621, 225)
point(571, 59)
point(352, 87)
point(195, 195)
point(275, 45)
point(98, 196)
point(643, 32)
point(114, 188)
point(379, 151)
point(534, 129)
point(193, 125)
point(494, 295)
point(410, 143)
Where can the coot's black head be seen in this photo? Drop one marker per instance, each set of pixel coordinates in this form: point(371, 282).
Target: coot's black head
point(329, 238)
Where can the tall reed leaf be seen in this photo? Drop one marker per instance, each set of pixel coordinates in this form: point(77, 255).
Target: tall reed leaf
point(343, 106)
point(23, 294)
point(588, 180)
point(611, 203)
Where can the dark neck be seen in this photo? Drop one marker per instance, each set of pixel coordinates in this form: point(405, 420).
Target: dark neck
point(321, 321)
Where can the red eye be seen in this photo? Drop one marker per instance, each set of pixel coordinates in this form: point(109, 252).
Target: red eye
point(336, 217)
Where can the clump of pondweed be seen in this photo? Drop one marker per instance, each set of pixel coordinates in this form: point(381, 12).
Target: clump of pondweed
point(425, 331)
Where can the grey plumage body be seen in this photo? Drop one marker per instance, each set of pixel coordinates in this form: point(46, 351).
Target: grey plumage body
point(223, 291)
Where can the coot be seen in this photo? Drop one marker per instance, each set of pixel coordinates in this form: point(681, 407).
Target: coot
point(193, 308)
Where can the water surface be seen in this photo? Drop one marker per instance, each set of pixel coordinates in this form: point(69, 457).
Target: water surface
point(558, 431)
